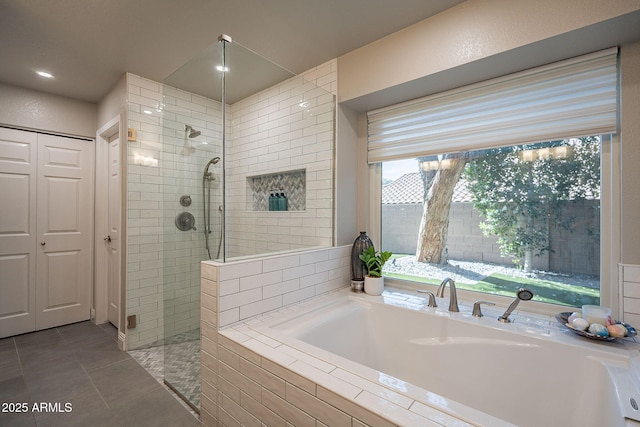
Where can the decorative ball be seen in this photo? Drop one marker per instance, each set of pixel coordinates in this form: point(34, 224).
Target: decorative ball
point(580, 324)
point(598, 329)
point(574, 315)
point(617, 331)
point(624, 328)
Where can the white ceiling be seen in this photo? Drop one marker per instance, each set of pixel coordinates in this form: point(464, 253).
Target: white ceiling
point(89, 44)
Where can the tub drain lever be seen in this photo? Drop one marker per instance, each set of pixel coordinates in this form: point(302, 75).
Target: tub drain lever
point(477, 312)
point(432, 298)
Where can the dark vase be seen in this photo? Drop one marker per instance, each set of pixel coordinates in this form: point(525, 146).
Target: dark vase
point(358, 269)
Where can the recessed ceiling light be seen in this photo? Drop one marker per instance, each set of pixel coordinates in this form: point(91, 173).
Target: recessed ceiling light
point(45, 74)
point(221, 68)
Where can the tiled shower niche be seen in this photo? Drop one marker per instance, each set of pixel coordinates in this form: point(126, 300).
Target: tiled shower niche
point(291, 183)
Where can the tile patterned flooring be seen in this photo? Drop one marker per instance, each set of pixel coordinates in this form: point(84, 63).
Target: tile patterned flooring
point(81, 365)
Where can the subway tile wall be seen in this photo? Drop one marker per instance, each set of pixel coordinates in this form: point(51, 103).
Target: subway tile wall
point(252, 287)
point(233, 378)
point(630, 291)
point(287, 127)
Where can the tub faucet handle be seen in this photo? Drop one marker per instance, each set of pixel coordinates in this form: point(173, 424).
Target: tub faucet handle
point(476, 308)
point(432, 298)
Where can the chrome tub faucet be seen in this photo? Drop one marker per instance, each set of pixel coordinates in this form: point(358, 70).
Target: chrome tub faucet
point(453, 297)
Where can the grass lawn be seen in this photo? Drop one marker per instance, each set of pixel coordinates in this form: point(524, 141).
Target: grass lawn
point(544, 290)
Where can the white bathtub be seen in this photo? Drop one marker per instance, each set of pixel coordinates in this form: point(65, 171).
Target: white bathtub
point(527, 373)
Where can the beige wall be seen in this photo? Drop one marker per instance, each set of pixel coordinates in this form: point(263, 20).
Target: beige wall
point(630, 152)
point(496, 36)
point(114, 103)
point(346, 178)
point(29, 109)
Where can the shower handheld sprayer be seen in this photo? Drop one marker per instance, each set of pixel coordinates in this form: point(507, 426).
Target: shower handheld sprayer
point(207, 174)
point(207, 177)
point(522, 295)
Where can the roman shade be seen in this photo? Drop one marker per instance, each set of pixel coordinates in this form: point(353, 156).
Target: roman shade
point(571, 98)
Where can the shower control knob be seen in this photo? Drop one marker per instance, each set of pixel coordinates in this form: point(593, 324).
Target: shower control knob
point(185, 221)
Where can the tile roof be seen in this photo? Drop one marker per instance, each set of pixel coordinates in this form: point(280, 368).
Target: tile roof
point(408, 189)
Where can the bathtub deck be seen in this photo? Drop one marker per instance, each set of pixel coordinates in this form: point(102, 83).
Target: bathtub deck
point(394, 400)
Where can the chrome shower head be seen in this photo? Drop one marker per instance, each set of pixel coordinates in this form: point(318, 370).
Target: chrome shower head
point(191, 132)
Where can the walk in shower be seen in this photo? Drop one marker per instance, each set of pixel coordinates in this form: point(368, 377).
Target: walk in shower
point(238, 132)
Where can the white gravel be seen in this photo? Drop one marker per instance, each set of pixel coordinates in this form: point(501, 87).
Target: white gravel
point(473, 272)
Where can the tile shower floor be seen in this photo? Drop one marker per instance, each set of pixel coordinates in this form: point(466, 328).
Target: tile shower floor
point(75, 375)
point(177, 361)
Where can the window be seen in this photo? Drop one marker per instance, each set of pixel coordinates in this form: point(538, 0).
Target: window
point(528, 159)
point(498, 219)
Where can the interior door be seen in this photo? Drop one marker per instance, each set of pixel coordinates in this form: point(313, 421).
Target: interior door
point(64, 221)
point(113, 239)
point(18, 154)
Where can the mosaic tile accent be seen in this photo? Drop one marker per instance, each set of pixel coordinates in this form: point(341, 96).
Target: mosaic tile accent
point(292, 184)
point(177, 361)
point(182, 369)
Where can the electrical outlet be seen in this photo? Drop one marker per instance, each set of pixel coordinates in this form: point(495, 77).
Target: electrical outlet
point(131, 321)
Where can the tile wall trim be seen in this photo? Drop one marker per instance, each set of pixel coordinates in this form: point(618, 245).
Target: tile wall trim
point(630, 293)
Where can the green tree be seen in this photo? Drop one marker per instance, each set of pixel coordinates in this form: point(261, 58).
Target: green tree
point(520, 190)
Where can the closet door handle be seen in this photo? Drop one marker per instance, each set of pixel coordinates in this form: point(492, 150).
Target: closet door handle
point(107, 239)
point(43, 243)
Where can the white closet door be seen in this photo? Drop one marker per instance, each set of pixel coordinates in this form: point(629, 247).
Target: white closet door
point(64, 230)
point(18, 154)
